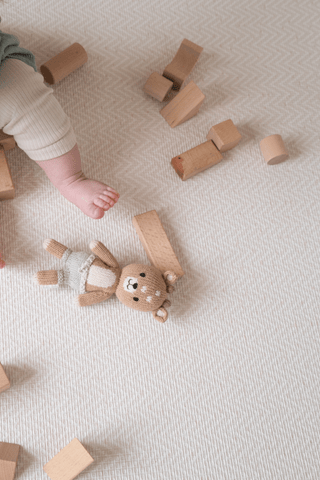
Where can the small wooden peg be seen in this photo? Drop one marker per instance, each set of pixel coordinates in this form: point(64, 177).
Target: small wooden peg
point(157, 86)
point(224, 135)
point(66, 62)
point(69, 462)
point(183, 106)
point(196, 160)
point(9, 453)
point(4, 381)
point(156, 243)
point(183, 63)
point(273, 149)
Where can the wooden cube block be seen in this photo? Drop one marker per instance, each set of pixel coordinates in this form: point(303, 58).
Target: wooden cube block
point(183, 63)
point(184, 105)
point(157, 86)
point(69, 462)
point(4, 381)
point(196, 160)
point(273, 149)
point(156, 243)
point(225, 135)
point(8, 460)
point(6, 185)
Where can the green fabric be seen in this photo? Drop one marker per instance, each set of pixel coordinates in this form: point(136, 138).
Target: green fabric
point(9, 48)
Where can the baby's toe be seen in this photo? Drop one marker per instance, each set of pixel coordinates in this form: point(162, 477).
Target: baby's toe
point(113, 195)
point(95, 212)
point(108, 200)
point(100, 202)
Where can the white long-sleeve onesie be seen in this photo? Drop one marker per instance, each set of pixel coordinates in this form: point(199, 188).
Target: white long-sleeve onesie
point(30, 112)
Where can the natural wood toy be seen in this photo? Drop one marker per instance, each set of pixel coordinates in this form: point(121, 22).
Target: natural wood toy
point(158, 86)
point(69, 462)
point(224, 135)
point(7, 191)
point(156, 243)
point(273, 149)
point(98, 276)
point(184, 105)
point(4, 381)
point(9, 453)
point(183, 63)
point(66, 62)
point(2, 262)
point(196, 160)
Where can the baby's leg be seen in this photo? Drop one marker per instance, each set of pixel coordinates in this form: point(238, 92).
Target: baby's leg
point(91, 196)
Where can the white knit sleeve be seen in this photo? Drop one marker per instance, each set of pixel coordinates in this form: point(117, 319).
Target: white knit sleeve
point(31, 113)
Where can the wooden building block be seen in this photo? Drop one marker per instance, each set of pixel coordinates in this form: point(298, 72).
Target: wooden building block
point(156, 243)
point(8, 460)
point(196, 160)
point(183, 63)
point(184, 105)
point(69, 462)
point(66, 62)
point(273, 149)
point(7, 141)
point(6, 185)
point(4, 381)
point(224, 135)
point(157, 86)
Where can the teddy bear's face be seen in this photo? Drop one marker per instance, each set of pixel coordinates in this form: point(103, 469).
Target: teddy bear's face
point(141, 287)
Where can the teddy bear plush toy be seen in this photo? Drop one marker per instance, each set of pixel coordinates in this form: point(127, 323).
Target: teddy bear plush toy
point(98, 276)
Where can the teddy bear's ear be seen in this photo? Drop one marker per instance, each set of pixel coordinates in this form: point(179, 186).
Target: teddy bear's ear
point(170, 277)
point(161, 314)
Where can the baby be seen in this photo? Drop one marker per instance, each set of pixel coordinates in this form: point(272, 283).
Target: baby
point(30, 112)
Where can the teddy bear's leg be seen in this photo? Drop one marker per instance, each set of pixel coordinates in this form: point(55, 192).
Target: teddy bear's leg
point(49, 277)
point(54, 247)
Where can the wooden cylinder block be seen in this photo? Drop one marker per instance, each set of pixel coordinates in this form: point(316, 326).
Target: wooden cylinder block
point(64, 63)
point(273, 149)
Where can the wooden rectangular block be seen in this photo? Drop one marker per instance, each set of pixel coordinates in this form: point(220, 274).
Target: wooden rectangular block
point(69, 462)
point(7, 141)
point(196, 160)
point(184, 105)
point(183, 63)
point(157, 86)
point(225, 135)
point(6, 184)
point(156, 243)
point(9, 453)
point(4, 381)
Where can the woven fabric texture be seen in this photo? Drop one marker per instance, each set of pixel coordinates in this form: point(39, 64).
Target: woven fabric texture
point(228, 387)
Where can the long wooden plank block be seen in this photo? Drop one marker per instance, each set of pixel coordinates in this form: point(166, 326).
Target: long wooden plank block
point(156, 243)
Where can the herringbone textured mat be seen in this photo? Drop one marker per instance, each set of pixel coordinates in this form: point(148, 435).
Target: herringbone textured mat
point(229, 387)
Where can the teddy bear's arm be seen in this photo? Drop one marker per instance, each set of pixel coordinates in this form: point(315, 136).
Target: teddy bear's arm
point(103, 253)
point(90, 298)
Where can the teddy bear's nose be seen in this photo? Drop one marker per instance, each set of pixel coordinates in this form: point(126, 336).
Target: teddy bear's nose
point(135, 286)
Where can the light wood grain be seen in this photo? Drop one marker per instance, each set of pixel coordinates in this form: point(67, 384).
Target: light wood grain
point(9, 453)
point(196, 160)
point(184, 105)
point(156, 243)
point(69, 462)
point(4, 381)
point(183, 63)
point(66, 62)
point(6, 185)
point(157, 86)
point(273, 149)
point(225, 135)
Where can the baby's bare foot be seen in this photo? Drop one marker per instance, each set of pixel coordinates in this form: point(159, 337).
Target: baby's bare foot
point(92, 197)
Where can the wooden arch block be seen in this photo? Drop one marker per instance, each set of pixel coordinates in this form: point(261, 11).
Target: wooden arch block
point(157, 86)
point(156, 243)
point(183, 63)
point(196, 160)
point(273, 149)
point(4, 381)
point(9, 453)
point(69, 462)
point(183, 106)
point(66, 62)
point(224, 135)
